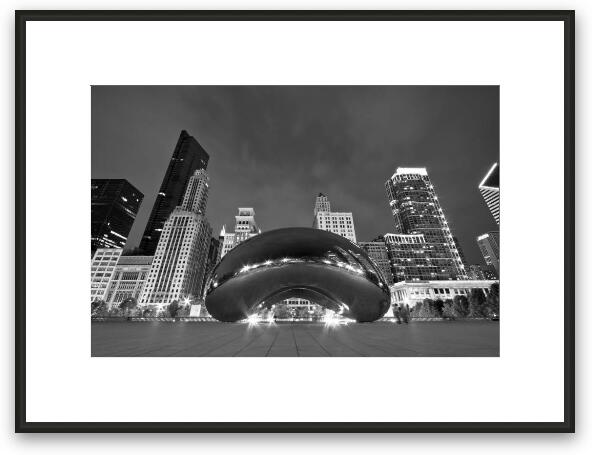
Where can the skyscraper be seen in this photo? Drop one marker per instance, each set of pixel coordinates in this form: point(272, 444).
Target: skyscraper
point(489, 246)
point(460, 252)
point(489, 188)
point(245, 227)
point(179, 266)
point(213, 257)
point(341, 223)
point(114, 206)
point(422, 245)
point(188, 157)
point(378, 252)
point(322, 204)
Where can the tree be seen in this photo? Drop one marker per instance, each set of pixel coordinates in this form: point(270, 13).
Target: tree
point(405, 313)
point(456, 308)
point(493, 300)
point(184, 310)
point(281, 311)
point(173, 308)
point(98, 308)
point(149, 312)
point(115, 311)
point(397, 313)
point(426, 309)
point(437, 308)
point(477, 301)
point(128, 304)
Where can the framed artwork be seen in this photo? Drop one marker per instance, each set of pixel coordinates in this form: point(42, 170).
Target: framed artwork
point(295, 221)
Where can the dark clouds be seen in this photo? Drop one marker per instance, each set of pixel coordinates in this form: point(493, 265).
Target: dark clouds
point(275, 147)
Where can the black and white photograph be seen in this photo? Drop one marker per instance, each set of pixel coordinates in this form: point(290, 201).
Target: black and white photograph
point(288, 221)
point(291, 221)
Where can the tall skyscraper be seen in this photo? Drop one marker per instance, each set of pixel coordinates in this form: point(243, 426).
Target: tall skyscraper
point(422, 238)
point(213, 257)
point(245, 227)
point(341, 223)
point(114, 206)
point(378, 252)
point(179, 266)
point(188, 157)
point(460, 252)
point(489, 188)
point(412, 258)
point(489, 246)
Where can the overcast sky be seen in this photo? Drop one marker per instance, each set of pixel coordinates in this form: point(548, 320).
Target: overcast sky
point(275, 148)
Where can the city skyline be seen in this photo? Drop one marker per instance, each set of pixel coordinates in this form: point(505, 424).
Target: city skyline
point(349, 172)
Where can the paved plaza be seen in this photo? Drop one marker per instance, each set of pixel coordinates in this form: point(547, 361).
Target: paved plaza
point(197, 339)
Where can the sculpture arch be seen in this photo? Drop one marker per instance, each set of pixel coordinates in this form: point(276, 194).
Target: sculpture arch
point(297, 262)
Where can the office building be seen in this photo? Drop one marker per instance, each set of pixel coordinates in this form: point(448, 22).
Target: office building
point(102, 268)
point(378, 252)
point(409, 293)
point(461, 253)
point(489, 188)
point(188, 156)
point(114, 206)
point(422, 246)
point(128, 279)
point(245, 227)
point(178, 270)
point(213, 258)
point(341, 223)
point(489, 246)
point(412, 258)
point(322, 204)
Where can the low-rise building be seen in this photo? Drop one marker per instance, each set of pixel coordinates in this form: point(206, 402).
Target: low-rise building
point(102, 268)
point(411, 292)
point(340, 223)
point(128, 279)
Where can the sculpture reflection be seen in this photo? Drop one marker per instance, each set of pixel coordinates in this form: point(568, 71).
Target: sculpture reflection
point(306, 263)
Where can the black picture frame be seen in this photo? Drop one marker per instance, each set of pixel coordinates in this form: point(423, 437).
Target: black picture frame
point(568, 423)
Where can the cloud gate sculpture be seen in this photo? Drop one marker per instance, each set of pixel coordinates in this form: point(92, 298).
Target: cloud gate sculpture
point(306, 263)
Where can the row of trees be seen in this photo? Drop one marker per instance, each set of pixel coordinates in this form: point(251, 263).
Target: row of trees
point(477, 305)
point(129, 308)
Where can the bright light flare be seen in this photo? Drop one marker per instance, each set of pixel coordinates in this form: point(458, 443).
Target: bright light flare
point(330, 320)
point(253, 319)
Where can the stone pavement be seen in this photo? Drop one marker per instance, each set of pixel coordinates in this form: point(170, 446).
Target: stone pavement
point(196, 339)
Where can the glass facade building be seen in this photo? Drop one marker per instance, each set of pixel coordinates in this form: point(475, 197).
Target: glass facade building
point(188, 157)
point(114, 206)
point(422, 246)
point(489, 188)
point(489, 246)
point(378, 252)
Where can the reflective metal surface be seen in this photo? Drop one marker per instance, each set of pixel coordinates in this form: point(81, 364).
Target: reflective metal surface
point(307, 263)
